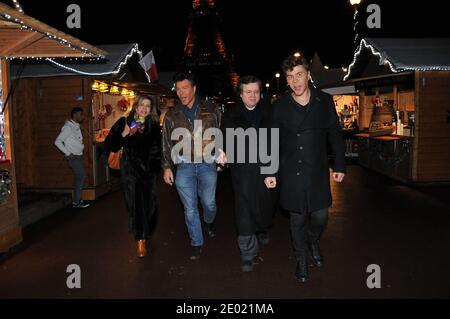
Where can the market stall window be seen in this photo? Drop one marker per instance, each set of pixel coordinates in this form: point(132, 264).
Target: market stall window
point(109, 103)
point(347, 108)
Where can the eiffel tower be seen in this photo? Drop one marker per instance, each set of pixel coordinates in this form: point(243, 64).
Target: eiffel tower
point(205, 53)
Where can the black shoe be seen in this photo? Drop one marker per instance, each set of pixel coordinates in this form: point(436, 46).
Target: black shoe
point(301, 271)
point(263, 238)
point(210, 229)
point(315, 254)
point(196, 252)
point(247, 265)
point(80, 204)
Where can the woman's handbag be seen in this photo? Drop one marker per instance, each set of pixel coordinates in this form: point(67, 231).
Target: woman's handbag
point(114, 159)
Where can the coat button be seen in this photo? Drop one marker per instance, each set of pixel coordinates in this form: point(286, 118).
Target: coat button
point(298, 173)
point(300, 161)
point(301, 148)
point(299, 134)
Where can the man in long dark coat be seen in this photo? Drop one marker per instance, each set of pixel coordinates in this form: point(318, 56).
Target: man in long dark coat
point(254, 204)
point(309, 128)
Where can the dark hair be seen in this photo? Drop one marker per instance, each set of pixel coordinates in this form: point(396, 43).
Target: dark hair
point(247, 79)
point(76, 110)
point(181, 76)
point(292, 61)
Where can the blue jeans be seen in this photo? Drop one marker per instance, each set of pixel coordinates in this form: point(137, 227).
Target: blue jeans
point(193, 181)
point(77, 165)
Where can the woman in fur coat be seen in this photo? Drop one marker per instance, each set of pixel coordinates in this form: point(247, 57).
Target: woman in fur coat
point(139, 136)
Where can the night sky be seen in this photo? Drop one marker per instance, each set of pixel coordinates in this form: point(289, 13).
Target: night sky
point(257, 33)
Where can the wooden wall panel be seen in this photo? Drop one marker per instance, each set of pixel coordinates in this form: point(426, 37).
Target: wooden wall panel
point(46, 110)
point(433, 131)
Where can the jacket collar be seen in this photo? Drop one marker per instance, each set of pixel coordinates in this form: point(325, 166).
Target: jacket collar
point(73, 123)
point(197, 102)
point(240, 107)
point(312, 99)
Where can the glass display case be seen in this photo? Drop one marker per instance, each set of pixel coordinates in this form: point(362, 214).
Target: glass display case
point(3, 147)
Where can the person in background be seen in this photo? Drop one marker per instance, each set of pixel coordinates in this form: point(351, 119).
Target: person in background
point(70, 142)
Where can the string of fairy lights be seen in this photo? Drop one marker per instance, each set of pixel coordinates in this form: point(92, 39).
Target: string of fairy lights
point(355, 4)
point(17, 6)
point(134, 50)
point(355, 25)
point(364, 44)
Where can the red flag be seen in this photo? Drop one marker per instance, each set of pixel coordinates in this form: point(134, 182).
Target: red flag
point(149, 65)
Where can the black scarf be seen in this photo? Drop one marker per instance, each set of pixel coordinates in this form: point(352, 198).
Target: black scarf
point(252, 116)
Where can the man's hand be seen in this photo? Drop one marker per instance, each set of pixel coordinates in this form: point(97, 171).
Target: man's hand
point(222, 159)
point(168, 176)
point(338, 177)
point(271, 182)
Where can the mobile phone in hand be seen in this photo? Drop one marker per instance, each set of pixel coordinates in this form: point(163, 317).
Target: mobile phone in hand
point(135, 124)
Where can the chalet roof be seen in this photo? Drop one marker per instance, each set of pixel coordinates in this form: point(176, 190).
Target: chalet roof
point(406, 54)
point(117, 53)
point(22, 36)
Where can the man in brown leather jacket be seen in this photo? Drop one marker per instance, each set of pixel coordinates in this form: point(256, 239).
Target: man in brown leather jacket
point(196, 174)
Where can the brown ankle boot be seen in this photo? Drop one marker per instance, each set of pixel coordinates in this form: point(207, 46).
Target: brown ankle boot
point(141, 248)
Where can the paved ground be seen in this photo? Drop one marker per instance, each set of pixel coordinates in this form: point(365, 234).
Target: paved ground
point(373, 221)
point(35, 206)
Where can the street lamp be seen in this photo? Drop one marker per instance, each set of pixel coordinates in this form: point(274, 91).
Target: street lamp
point(277, 76)
point(355, 4)
point(267, 85)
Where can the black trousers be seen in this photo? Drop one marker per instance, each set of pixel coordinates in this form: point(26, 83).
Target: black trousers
point(249, 246)
point(307, 227)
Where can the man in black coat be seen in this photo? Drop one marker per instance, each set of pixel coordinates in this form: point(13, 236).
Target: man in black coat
point(309, 127)
point(254, 204)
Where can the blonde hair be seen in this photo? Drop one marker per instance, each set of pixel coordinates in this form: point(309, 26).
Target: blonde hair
point(153, 106)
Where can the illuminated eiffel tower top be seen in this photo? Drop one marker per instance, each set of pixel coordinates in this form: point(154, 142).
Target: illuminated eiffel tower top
point(204, 41)
point(204, 51)
point(196, 4)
